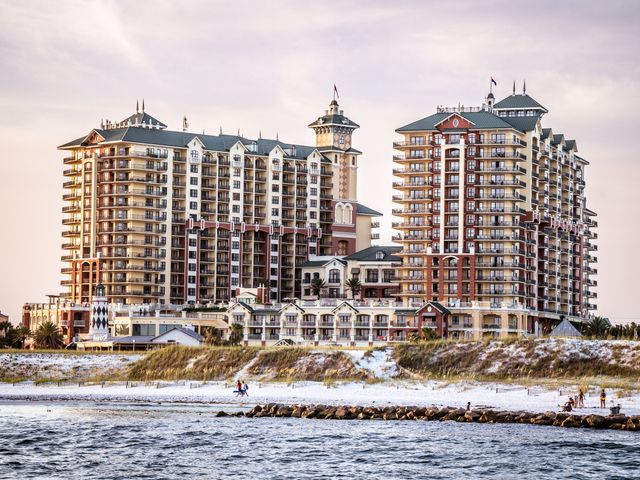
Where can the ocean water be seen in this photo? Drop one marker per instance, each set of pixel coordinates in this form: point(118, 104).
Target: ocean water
point(168, 441)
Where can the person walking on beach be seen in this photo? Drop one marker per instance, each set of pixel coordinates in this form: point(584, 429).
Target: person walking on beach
point(238, 388)
point(603, 399)
point(580, 399)
point(245, 389)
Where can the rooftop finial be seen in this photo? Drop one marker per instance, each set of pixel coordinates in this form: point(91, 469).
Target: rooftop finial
point(524, 87)
point(277, 138)
point(220, 129)
point(143, 105)
point(259, 134)
point(238, 132)
point(514, 87)
point(137, 108)
point(185, 123)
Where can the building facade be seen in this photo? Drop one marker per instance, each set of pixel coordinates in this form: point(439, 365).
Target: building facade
point(493, 214)
point(375, 269)
point(169, 217)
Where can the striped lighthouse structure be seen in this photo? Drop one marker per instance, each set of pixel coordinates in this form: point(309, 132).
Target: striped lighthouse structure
point(99, 315)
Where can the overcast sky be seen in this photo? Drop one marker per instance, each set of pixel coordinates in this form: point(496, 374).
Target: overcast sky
point(270, 67)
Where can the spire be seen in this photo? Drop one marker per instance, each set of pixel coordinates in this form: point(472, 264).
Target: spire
point(514, 87)
point(137, 109)
point(277, 136)
point(143, 105)
point(259, 134)
point(238, 132)
point(220, 129)
point(524, 87)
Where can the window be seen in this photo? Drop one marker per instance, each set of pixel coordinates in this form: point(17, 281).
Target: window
point(275, 188)
point(342, 247)
point(313, 191)
point(195, 155)
point(236, 184)
point(275, 201)
point(193, 205)
point(341, 140)
point(193, 193)
point(379, 255)
point(235, 208)
point(193, 180)
point(334, 275)
point(236, 172)
point(193, 168)
point(275, 212)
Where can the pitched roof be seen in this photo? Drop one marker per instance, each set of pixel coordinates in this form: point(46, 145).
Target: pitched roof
point(565, 329)
point(545, 133)
point(191, 333)
point(524, 124)
point(481, 120)
point(322, 261)
point(557, 138)
point(362, 210)
point(169, 138)
point(519, 101)
point(369, 254)
point(142, 118)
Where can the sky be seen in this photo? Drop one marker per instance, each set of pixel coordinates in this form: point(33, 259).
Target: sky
point(270, 67)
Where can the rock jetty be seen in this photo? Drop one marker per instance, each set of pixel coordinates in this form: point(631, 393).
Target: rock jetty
point(345, 412)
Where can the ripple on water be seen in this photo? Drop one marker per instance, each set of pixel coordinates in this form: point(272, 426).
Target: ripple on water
point(157, 442)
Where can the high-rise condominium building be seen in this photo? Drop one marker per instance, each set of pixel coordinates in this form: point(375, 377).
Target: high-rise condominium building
point(160, 216)
point(494, 215)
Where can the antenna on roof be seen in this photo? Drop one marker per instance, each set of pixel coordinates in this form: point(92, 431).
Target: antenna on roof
point(143, 105)
point(238, 132)
point(277, 136)
point(514, 87)
point(137, 109)
point(185, 123)
point(220, 129)
point(259, 134)
point(524, 87)
point(102, 123)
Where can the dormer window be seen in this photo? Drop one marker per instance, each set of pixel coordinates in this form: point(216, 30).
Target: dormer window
point(379, 255)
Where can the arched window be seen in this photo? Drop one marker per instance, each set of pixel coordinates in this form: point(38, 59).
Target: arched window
point(348, 210)
point(339, 213)
point(342, 247)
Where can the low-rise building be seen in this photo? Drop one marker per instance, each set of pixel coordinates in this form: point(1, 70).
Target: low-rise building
point(374, 268)
point(369, 322)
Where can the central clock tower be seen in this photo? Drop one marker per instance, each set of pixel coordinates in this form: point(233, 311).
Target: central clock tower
point(334, 133)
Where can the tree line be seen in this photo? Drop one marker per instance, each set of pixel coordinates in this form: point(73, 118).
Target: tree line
point(46, 336)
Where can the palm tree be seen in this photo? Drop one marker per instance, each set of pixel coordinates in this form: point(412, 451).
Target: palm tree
point(19, 336)
point(597, 327)
point(354, 285)
point(48, 336)
point(317, 284)
point(236, 334)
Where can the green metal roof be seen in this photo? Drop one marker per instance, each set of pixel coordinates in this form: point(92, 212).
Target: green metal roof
point(482, 120)
point(169, 138)
point(369, 254)
point(362, 210)
point(517, 102)
point(524, 124)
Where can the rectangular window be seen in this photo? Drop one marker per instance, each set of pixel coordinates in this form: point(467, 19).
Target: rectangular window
point(193, 180)
point(193, 193)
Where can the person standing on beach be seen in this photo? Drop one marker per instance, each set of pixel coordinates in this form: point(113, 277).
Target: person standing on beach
point(239, 387)
point(580, 399)
point(603, 399)
point(245, 389)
